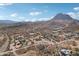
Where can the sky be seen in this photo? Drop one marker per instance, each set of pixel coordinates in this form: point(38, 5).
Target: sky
point(36, 11)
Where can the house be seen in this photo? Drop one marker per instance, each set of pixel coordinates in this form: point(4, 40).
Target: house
point(65, 52)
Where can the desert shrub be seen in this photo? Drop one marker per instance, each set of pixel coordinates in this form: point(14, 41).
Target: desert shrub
point(21, 51)
point(40, 47)
point(74, 43)
point(8, 54)
point(75, 52)
point(45, 51)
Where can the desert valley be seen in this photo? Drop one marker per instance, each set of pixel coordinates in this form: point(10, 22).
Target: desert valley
point(58, 36)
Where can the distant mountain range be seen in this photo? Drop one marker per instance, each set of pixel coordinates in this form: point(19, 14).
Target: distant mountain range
point(59, 16)
point(4, 23)
point(59, 21)
point(7, 22)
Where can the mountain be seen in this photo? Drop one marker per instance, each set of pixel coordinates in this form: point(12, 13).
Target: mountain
point(65, 21)
point(7, 22)
point(63, 17)
point(61, 20)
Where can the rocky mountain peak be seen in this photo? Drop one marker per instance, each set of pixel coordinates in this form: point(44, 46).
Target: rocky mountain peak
point(63, 17)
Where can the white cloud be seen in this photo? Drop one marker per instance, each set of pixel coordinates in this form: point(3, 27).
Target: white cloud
point(35, 13)
point(32, 20)
point(51, 17)
point(5, 4)
point(76, 8)
point(13, 15)
point(71, 13)
point(74, 15)
point(43, 19)
point(21, 17)
point(26, 20)
point(1, 17)
point(39, 19)
point(2, 5)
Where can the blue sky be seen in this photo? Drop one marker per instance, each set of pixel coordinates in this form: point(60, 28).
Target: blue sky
point(36, 11)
